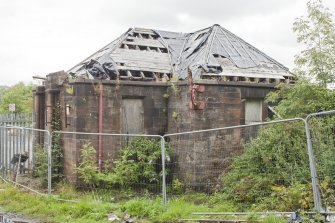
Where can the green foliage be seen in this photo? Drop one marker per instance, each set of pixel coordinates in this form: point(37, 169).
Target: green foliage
point(277, 156)
point(327, 190)
point(317, 33)
point(252, 218)
point(2, 91)
point(41, 164)
point(322, 132)
point(49, 210)
point(274, 219)
point(56, 146)
point(301, 99)
point(177, 186)
point(66, 191)
point(41, 153)
point(273, 172)
point(295, 197)
point(138, 163)
point(21, 95)
point(143, 208)
point(87, 168)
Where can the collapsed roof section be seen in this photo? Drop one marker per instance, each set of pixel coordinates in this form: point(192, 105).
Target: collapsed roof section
point(214, 52)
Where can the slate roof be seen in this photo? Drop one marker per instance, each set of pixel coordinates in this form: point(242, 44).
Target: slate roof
point(213, 52)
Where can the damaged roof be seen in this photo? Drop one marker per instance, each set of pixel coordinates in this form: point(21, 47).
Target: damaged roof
point(147, 54)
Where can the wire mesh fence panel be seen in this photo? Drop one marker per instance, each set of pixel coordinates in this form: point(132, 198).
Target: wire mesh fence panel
point(21, 154)
point(322, 129)
point(250, 164)
point(16, 119)
point(109, 166)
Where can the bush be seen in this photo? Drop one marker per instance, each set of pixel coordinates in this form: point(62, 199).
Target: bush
point(41, 164)
point(274, 168)
point(138, 163)
point(277, 156)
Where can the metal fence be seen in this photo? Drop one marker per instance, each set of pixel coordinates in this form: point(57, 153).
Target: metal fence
point(322, 131)
point(252, 162)
point(22, 160)
point(16, 140)
point(260, 153)
point(15, 119)
point(128, 164)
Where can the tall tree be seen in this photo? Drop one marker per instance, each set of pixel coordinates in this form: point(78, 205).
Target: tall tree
point(315, 66)
point(21, 95)
point(317, 34)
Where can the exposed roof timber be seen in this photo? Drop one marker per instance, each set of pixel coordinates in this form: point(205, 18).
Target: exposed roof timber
point(147, 50)
point(168, 50)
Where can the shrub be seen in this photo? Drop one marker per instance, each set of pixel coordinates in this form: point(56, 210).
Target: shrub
point(138, 163)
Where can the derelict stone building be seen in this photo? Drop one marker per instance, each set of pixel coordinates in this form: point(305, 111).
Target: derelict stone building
point(155, 82)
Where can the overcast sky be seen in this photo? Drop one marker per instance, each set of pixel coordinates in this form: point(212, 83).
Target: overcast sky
point(44, 36)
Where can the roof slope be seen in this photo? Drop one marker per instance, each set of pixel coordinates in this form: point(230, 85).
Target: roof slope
point(146, 54)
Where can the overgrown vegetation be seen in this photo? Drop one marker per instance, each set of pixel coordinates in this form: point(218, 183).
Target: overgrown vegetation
point(276, 158)
point(138, 166)
point(144, 210)
point(56, 145)
point(41, 165)
point(273, 172)
point(41, 153)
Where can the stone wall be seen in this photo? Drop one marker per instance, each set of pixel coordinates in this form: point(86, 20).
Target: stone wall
point(83, 100)
point(199, 158)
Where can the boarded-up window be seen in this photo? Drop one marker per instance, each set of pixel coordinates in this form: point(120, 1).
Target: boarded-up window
point(253, 110)
point(132, 120)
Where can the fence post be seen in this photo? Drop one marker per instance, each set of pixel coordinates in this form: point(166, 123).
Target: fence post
point(163, 171)
point(49, 162)
point(316, 192)
point(315, 182)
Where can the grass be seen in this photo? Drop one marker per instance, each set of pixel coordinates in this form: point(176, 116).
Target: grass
point(50, 210)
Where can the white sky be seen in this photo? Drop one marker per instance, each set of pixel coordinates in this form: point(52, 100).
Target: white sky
point(44, 36)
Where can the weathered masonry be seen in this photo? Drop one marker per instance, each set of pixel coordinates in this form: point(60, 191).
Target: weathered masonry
point(155, 82)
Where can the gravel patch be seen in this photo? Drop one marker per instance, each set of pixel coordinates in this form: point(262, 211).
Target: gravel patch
point(6, 217)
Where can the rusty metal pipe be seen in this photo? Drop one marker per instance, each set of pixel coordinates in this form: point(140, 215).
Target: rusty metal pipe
point(100, 128)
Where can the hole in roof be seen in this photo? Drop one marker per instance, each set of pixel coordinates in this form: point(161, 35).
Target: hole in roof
point(135, 73)
point(143, 48)
point(123, 73)
point(145, 36)
point(153, 49)
point(199, 36)
point(148, 74)
point(163, 50)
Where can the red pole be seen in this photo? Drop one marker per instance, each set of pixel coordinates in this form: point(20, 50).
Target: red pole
point(100, 127)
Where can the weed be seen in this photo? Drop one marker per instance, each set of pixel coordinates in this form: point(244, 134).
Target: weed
point(138, 163)
point(274, 219)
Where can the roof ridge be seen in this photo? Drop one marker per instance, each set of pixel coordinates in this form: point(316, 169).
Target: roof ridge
point(211, 40)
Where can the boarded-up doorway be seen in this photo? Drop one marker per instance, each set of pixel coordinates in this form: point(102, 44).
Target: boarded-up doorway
point(133, 121)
